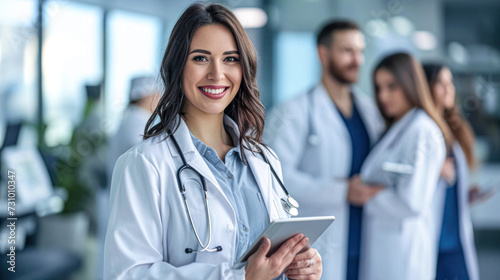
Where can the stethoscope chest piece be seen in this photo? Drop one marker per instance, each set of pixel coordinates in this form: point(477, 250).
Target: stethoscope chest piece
point(290, 205)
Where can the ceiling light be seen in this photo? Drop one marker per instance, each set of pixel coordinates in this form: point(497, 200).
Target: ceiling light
point(251, 17)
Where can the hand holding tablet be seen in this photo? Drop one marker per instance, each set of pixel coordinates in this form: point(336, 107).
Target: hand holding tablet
point(282, 230)
point(285, 244)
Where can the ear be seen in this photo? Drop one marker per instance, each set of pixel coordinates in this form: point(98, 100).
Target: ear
point(323, 55)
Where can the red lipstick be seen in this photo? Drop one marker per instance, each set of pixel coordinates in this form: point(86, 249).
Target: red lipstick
point(213, 91)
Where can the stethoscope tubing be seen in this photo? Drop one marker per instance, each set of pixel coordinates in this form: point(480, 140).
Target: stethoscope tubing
point(182, 189)
point(290, 208)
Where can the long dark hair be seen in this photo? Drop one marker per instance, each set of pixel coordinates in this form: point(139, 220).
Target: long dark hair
point(410, 76)
point(245, 109)
point(460, 128)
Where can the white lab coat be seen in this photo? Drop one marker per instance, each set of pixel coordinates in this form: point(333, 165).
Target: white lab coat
point(465, 225)
point(399, 240)
point(128, 134)
point(149, 228)
point(316, 176)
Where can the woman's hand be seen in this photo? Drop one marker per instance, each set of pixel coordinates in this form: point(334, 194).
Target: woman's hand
point(478, 195)
point(306, 265)
point(261, 267)
point(448, 171)
point(359, 193)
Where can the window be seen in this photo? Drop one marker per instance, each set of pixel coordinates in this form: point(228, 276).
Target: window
point(134, 48)
point(18, 50)
point(297, 64)
point(72, 55)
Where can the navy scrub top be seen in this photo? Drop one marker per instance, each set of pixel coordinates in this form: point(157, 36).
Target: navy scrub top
point(360, 143)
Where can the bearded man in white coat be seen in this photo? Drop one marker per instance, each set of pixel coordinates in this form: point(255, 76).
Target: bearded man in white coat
point(322, 138)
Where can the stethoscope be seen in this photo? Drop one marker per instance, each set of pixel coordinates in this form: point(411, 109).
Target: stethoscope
point(288, 203)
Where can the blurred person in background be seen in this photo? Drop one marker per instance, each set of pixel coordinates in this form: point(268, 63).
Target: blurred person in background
point(143, 98)
point(210, 125)
point(399, 224)
point(322, 137)
point(457, 257)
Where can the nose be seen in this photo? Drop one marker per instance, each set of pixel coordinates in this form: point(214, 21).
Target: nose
point(382, 95)
point(358, 58)
point(450, 88)
point(216, 72)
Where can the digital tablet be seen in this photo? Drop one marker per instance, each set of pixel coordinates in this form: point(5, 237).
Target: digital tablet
point(281, 230)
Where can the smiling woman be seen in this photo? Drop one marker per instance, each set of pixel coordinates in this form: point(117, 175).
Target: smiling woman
point(190, 199)
point(236, 52)
point(212, 74)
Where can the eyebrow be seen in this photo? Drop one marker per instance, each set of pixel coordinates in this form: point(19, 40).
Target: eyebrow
point(209, 53)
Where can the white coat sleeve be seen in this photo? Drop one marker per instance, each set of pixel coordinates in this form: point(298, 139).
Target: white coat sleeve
point(408, 195)
point(286, 133)
point(134, 246)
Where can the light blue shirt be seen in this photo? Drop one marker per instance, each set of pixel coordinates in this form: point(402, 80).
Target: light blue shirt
point(238, 183)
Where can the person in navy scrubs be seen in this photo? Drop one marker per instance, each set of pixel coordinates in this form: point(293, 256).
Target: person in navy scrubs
point(457, 254)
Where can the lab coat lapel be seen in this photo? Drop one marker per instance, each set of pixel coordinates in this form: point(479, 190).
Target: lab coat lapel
point(263, 176)
point(372, 120)
point(192, 155)
point(260, 171)
point(373, 125)
point(327, 119)
point(466, 233)
point(200, 165)
point(325, 104)
point(387, 141)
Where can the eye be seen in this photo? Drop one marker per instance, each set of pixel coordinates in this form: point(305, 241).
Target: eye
point(232, 59)
point(440, 83)
point(392, 86)
point(348, 50)
point(200, 58)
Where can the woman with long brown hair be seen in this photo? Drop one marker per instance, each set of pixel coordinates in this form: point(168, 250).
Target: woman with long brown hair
point(189, 200)
point(399, 229)
point(457, 257)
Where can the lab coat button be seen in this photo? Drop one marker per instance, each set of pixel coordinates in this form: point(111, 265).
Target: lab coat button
point(230, 226)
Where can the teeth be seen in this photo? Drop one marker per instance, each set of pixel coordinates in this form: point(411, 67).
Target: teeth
point(214, 91)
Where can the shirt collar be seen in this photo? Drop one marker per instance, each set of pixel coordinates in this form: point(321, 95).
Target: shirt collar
point(231, 128)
